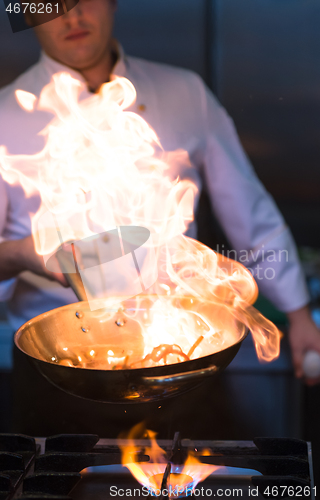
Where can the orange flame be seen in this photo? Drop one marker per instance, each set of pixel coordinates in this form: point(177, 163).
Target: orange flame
point(182, 477)
point(102, 167)
point(26, 100)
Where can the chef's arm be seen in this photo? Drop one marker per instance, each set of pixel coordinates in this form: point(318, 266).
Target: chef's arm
point(252, 221)
point(17, 256)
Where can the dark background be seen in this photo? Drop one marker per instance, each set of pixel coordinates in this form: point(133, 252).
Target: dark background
point(262, 59)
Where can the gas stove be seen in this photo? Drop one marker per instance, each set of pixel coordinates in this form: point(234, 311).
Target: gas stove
point(84, 467)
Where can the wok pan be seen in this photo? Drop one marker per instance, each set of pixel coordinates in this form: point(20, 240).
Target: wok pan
point(38, 340)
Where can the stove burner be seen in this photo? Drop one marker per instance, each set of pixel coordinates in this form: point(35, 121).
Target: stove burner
point(39, 468)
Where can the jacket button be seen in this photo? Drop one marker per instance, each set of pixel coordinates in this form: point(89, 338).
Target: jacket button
point(142, 107)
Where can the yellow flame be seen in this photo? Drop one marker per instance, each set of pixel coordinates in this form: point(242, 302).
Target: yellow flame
point(150, 474)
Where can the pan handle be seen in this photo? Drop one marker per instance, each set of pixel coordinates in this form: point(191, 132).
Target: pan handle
point(66, 261)
point(181, 377)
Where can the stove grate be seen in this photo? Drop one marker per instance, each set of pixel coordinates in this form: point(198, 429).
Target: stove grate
point(49, 468)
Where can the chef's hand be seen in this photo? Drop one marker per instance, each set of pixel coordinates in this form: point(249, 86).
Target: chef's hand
point(304, 336)
point(17, 256)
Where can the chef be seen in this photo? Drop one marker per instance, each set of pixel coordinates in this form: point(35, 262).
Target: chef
point(184, 114)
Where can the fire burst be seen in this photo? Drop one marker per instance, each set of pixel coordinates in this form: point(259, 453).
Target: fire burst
point(164, 297)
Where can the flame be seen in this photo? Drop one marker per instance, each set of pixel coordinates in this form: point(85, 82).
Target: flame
point(102, 169)
point(183, 477)
point(26, 100)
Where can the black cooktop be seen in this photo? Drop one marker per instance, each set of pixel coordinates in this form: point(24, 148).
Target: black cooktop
point(84, 467)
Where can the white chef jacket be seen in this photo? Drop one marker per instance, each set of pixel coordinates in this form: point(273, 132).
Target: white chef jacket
point(184, 114)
